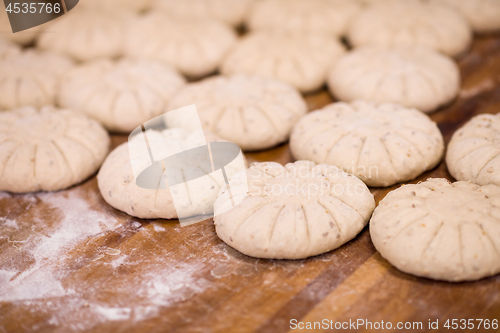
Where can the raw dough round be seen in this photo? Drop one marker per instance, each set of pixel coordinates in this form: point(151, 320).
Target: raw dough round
point(230, 12)
point(381, 144)
point(48, 149)
point(121, 95)
point(31, 78)
point(253, 112)
point(293, 212)
point(440, 230)
point(483, 15)
point(135, 5)
point(24, 37)
point(87, 34)
point(117, 184)
point(412, 23)
point(7, 48)
point(302, 60)
point(412, 77)
point(473, 152)
point(195, 47)
point(313, 16)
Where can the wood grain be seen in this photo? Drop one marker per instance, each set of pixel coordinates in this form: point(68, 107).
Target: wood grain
point(69, 262)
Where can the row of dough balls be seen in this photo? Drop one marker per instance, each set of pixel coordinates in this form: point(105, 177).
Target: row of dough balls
point(408, 75)
point(386, 144)
point(322, 16)
point(124, 93)
point(434, 229)
point(254, 112)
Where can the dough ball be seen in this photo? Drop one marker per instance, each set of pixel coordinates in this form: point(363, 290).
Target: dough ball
point(253, 112)
point(121, 95)
point(48, 149)
point(473, 152)
point(381, 144)
point(195, 47)
point(302, 60)
point(312, 16)
point(296, 211)
point(440, 230)
point(7, 48)
point(31, 78)
point(87, 33)
point(230, 12)
point(24, 37)
point(483, 15)
point(117, 184)
point(412, 23)
point(135, 5)
point(413, 77)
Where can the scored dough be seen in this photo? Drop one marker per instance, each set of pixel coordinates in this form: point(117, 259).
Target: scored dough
point(483, 15)
point(48, 149)
point(381, 144)
point(253, 112)
point(440, 230)
point(31, 78)
point(296, 211)
point(121, 95)
point(473, 152)
point(412, 23)
point(413, 77)
point(195, 47)
point(302, 60)
point(230, 12)
point(313, 16)
point(86, 33)
point(117, 184)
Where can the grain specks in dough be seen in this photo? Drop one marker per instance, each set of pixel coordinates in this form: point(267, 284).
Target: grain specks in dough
point(381, 144)
point(48, 149)
point(473, 152)
point(440, 230)
point(295, 211)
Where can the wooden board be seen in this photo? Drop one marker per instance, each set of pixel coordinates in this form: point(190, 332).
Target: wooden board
point(69, 262)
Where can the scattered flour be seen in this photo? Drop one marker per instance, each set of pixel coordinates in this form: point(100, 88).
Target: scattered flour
point(158, 228)
point(40, 280)
point(113, 313)
point(8, 223)
point(157, 281)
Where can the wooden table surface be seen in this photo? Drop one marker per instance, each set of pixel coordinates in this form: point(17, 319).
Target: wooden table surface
point(69, 262)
